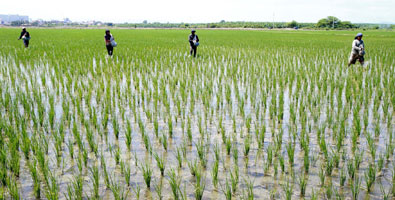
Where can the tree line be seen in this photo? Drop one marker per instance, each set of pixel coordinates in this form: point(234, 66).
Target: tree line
point(329, 22)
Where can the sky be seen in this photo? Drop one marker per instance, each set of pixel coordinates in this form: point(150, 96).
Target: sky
point(203, 11)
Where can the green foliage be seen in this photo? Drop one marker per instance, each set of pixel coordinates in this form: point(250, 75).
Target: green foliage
point(334, 22)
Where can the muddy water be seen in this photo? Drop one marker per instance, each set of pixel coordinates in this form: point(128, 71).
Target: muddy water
point(250, 167)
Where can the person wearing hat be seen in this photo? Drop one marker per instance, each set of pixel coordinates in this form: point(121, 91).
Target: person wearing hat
point(109, 39)
point(25, 36)
point(193, 42)
point(357, 51)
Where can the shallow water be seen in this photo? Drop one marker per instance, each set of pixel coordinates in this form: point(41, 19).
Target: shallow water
point(209, 76)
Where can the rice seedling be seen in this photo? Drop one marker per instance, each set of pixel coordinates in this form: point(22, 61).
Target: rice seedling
point(117, 154)
point(273, 194)
point(214, 173)
point(189, 131)
point(52, 188)
point(355, 187)
point(380, 163)
point(321, 175)
point(290, 104)
point(156, 127)
point(199, 186)
point(70, 146)
point(25, 144)
point(13, 187)
point(227, 190)
point(302, 184)
point(202, 151)
point(275, 167)
point(248, 193)
point(137, 190)
point(358, 159)
point(228, 144)
point(386, 195)
point(314, 196)
point(75, 188)
point(329, 189)
point(128, 135)
point(105, 173)
point(175, 182)
point(85, 156)
point(162, 139)
point(336, 159)
point(338, 195)
point(170, 126)
point(388, 150)
point(371, 145)
point(370, 176)
point(147, 143)
point(235, 153)
point(80, 162)
point(288, 190)
point(291, 153)
point(234, 179)
point(282, 165)
point(95, 179)
point(91, 141)
point(193, 167)
point(147, 173)
point(247, 145)
point(329, 167)
point(179, 157)
point(160, 161)
point(118, 192)
point(343, 177)
point(306, 162)
point(159, 189)
point(14, 160)
point(127, 174)
point(2, 193)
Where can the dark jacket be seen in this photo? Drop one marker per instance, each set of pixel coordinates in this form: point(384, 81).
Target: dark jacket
point(192, 38)
point(108, 39)
point(24, 33)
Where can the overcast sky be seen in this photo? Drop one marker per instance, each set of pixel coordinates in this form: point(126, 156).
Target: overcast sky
point(369, 11)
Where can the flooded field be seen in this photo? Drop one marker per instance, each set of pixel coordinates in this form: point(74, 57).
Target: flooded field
point(257, 115)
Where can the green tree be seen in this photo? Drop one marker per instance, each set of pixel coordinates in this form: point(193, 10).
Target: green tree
point(329, 22)
point(19, 23)
point(292, 24)
point(346, 25)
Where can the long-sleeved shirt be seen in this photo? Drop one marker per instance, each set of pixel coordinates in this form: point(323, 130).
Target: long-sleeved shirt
point(108, 39)
point(193, 38)
point(357, 46)
point(24, 33)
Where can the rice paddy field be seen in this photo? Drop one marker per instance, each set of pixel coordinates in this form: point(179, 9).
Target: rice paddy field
point(256, 115)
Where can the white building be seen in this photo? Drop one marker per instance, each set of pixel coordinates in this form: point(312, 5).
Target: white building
point(6, 19)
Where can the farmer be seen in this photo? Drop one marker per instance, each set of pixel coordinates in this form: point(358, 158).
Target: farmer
point(109, 42)
point(25, 36)
point(193, 42)
point(357, 51)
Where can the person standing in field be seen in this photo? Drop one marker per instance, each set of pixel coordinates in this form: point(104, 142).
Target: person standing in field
point(357, 51)
point(110, 42)
point(193, 42)
point(25, 36)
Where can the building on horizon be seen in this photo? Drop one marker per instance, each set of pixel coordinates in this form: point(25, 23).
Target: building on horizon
point(7, 19)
